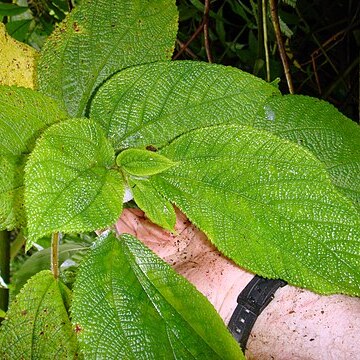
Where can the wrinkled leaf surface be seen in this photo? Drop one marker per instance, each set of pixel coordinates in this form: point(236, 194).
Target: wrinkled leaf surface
point(157, 208)
point(322, 129)
point(130, 304)
point(37, 324)
point(24, 114)
point(154, 103)
point(266, 203)
point(100, 38)
point(69, 183)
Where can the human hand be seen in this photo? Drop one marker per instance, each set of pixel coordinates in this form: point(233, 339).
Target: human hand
point(297, 324)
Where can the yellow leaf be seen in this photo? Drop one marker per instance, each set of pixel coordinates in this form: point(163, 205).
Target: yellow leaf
point(17, 61)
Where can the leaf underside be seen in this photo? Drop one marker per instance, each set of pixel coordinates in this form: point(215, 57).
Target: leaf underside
point(37, 324)
point(70, 186)
point(130, 304)
point(100, 38)
point(266, 203)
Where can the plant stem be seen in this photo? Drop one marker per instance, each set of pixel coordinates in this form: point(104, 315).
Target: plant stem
point(55, 254)
point(4, 268)
point(267, 61)
point(206, 31)
point(279, 40)
point(192, 38)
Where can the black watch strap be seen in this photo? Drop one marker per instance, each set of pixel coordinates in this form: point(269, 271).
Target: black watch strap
point(251, 302)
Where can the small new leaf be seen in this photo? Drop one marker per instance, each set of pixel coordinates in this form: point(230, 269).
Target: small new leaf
point(159, 210)
point(129, 304)
point(37, 325)
point(70, 185)
point(140, 162)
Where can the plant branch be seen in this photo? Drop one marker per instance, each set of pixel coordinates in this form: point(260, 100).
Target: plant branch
point(193, 37)
point(55, 254)
point(280, 43)
point(187, 50)
point(206, 31)
point(4, 268)
point(266, 48)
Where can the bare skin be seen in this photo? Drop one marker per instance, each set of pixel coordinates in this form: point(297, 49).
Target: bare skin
point(297, 324)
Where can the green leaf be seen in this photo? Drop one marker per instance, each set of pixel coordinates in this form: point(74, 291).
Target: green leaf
point(37, 325)
point(20, 29)
point(322, 129)
point(24, 114)
point(141, 162)
point(154, 103)
point(41, 261)
point(12, 213)
point(156, 207)
point(99, 39)
point(69, 183)
point(266, 203)
point(11, 9)
point(130, 304)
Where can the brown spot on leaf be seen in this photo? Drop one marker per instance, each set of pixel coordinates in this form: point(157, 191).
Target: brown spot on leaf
point(76, 26)
point(151, 148)
point(77, 328)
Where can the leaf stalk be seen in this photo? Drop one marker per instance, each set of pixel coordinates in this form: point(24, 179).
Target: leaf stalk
point(55, 254)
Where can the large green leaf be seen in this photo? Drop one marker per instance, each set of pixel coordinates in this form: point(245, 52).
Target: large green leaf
point(37, 325)
point(318, 126)
point(24, 114)
point(154, 103)
point(136, 105)
point(129, 304)
point(69, 183)
point(266, 203)
point(100, 38)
